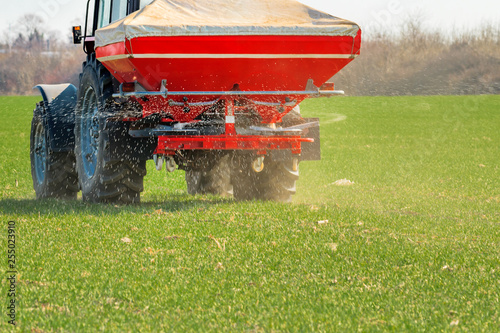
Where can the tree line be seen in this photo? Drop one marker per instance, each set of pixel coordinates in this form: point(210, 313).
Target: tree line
point(415, 61)
point(30, 56)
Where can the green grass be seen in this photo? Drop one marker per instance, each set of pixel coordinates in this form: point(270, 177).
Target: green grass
point(413, 245)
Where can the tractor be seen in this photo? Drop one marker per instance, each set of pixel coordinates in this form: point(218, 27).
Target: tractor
point(218, 100)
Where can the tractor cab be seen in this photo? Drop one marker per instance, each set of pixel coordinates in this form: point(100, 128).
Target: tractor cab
point(101, 13)
point(109, 11)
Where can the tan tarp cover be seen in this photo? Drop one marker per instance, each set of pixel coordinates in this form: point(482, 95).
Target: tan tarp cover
point(225, 17)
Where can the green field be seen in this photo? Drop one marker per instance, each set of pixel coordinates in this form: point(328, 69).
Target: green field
point(412, 245)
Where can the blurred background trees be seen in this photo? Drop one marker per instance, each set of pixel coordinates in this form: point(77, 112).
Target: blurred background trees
point(415, 61)
point(29, 55)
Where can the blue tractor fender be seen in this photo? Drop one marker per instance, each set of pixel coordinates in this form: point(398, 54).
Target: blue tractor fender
point(58, 112)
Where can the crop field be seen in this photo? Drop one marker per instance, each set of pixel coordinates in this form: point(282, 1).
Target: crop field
point(397, 228)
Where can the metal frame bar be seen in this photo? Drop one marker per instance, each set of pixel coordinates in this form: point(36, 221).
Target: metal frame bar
point(311, 90)
point(167, 93)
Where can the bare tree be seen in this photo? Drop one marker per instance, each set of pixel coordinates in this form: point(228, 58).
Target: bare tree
point(31, 32)
point(30, 23)
point(8, 38)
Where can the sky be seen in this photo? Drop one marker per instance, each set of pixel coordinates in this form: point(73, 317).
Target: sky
point(444, 15)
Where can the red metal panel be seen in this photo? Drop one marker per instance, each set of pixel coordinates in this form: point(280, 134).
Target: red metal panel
point(167, 145)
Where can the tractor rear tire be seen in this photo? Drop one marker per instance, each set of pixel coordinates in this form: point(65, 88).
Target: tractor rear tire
point(275, 183)
point(216, 180)
point(54, 174)
point(102, 179)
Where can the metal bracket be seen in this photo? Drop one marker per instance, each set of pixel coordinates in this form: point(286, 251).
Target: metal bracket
point(321, 93)
point(311, 87)
point(163, 88)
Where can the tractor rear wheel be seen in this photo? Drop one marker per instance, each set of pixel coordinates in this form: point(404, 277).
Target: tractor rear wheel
point(102, 179)
point(54, 174)
point(215, 180)
point(276, 182)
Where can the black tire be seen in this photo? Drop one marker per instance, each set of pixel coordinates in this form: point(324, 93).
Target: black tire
point(54, 174)
point(216, 180)
point(102, 179)
point(276, 182)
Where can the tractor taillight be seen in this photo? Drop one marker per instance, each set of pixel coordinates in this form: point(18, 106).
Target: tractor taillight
point(77, 35)
point(327, 86)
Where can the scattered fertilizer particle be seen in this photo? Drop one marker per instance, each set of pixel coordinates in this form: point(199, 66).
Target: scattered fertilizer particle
point(343, 182)
point(332, 246)
point(323, 222)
